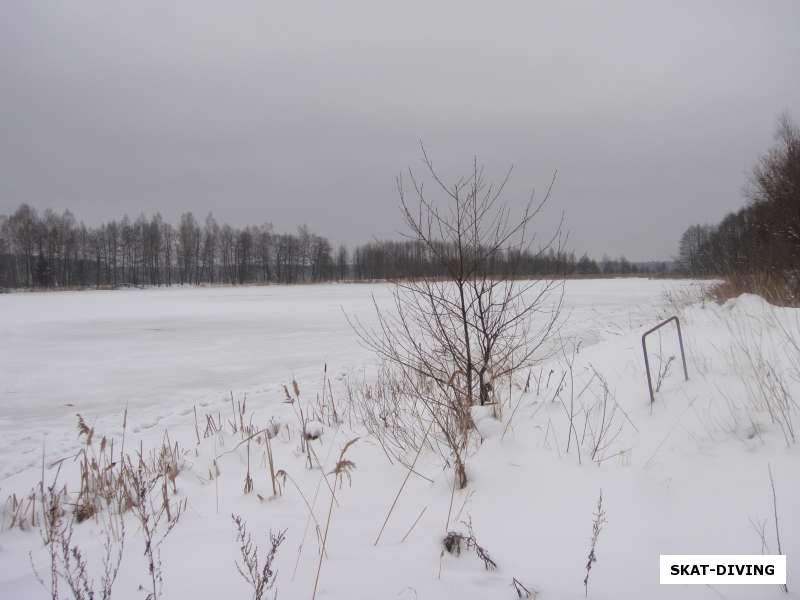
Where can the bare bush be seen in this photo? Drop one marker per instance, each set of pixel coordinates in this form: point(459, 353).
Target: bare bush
point(156, 518)
point(453, 335)
point(594, 418)
point(261, 577)
point(601, 427)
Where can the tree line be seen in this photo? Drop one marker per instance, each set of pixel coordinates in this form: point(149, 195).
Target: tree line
point(399, 259)
point(53, 250)
point(762, 238)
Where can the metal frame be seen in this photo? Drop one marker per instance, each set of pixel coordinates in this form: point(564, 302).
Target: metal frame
point(647, 361)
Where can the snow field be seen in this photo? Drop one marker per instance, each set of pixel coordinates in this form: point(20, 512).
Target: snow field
point(685, 476)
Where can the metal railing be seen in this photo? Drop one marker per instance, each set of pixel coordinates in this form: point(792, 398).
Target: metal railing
point(647, 361)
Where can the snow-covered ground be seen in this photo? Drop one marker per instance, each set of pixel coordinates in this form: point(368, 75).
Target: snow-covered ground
point(685, 476)
point(162, 351)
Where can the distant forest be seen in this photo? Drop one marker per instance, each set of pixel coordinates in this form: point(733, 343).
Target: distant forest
point(762, 240)
point(51, 250)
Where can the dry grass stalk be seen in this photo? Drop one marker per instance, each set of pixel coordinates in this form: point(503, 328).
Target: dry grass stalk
point(777, 289)
point(597, 525)
point(323, 473)
point(68, 564)
point(213, 426)
point(765, 375)
point(311, 517)
point(302, 418)
point(332, 415)
point(196, 426)
point(413, 525)
point(342, 469)
point(336, 418)
point(775, 515)
point(402, 486)
point(248, 479)
point(101, 484)
point(108, 487)
point(276, 488)
point(20, 511)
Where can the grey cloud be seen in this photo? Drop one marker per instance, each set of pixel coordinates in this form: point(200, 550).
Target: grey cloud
point(304, 113)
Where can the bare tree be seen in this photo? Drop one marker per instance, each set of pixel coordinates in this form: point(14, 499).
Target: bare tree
point(757, 248)
point(341, 263)
point(210, 243)
point(454, 334)
point(691, 249)
point(188, 247)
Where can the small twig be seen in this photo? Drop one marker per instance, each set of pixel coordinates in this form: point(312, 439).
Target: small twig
point(414, 524)
point(775, 514)
point(522, 591)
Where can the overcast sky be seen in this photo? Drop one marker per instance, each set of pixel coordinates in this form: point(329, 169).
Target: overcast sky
point(304, 112)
